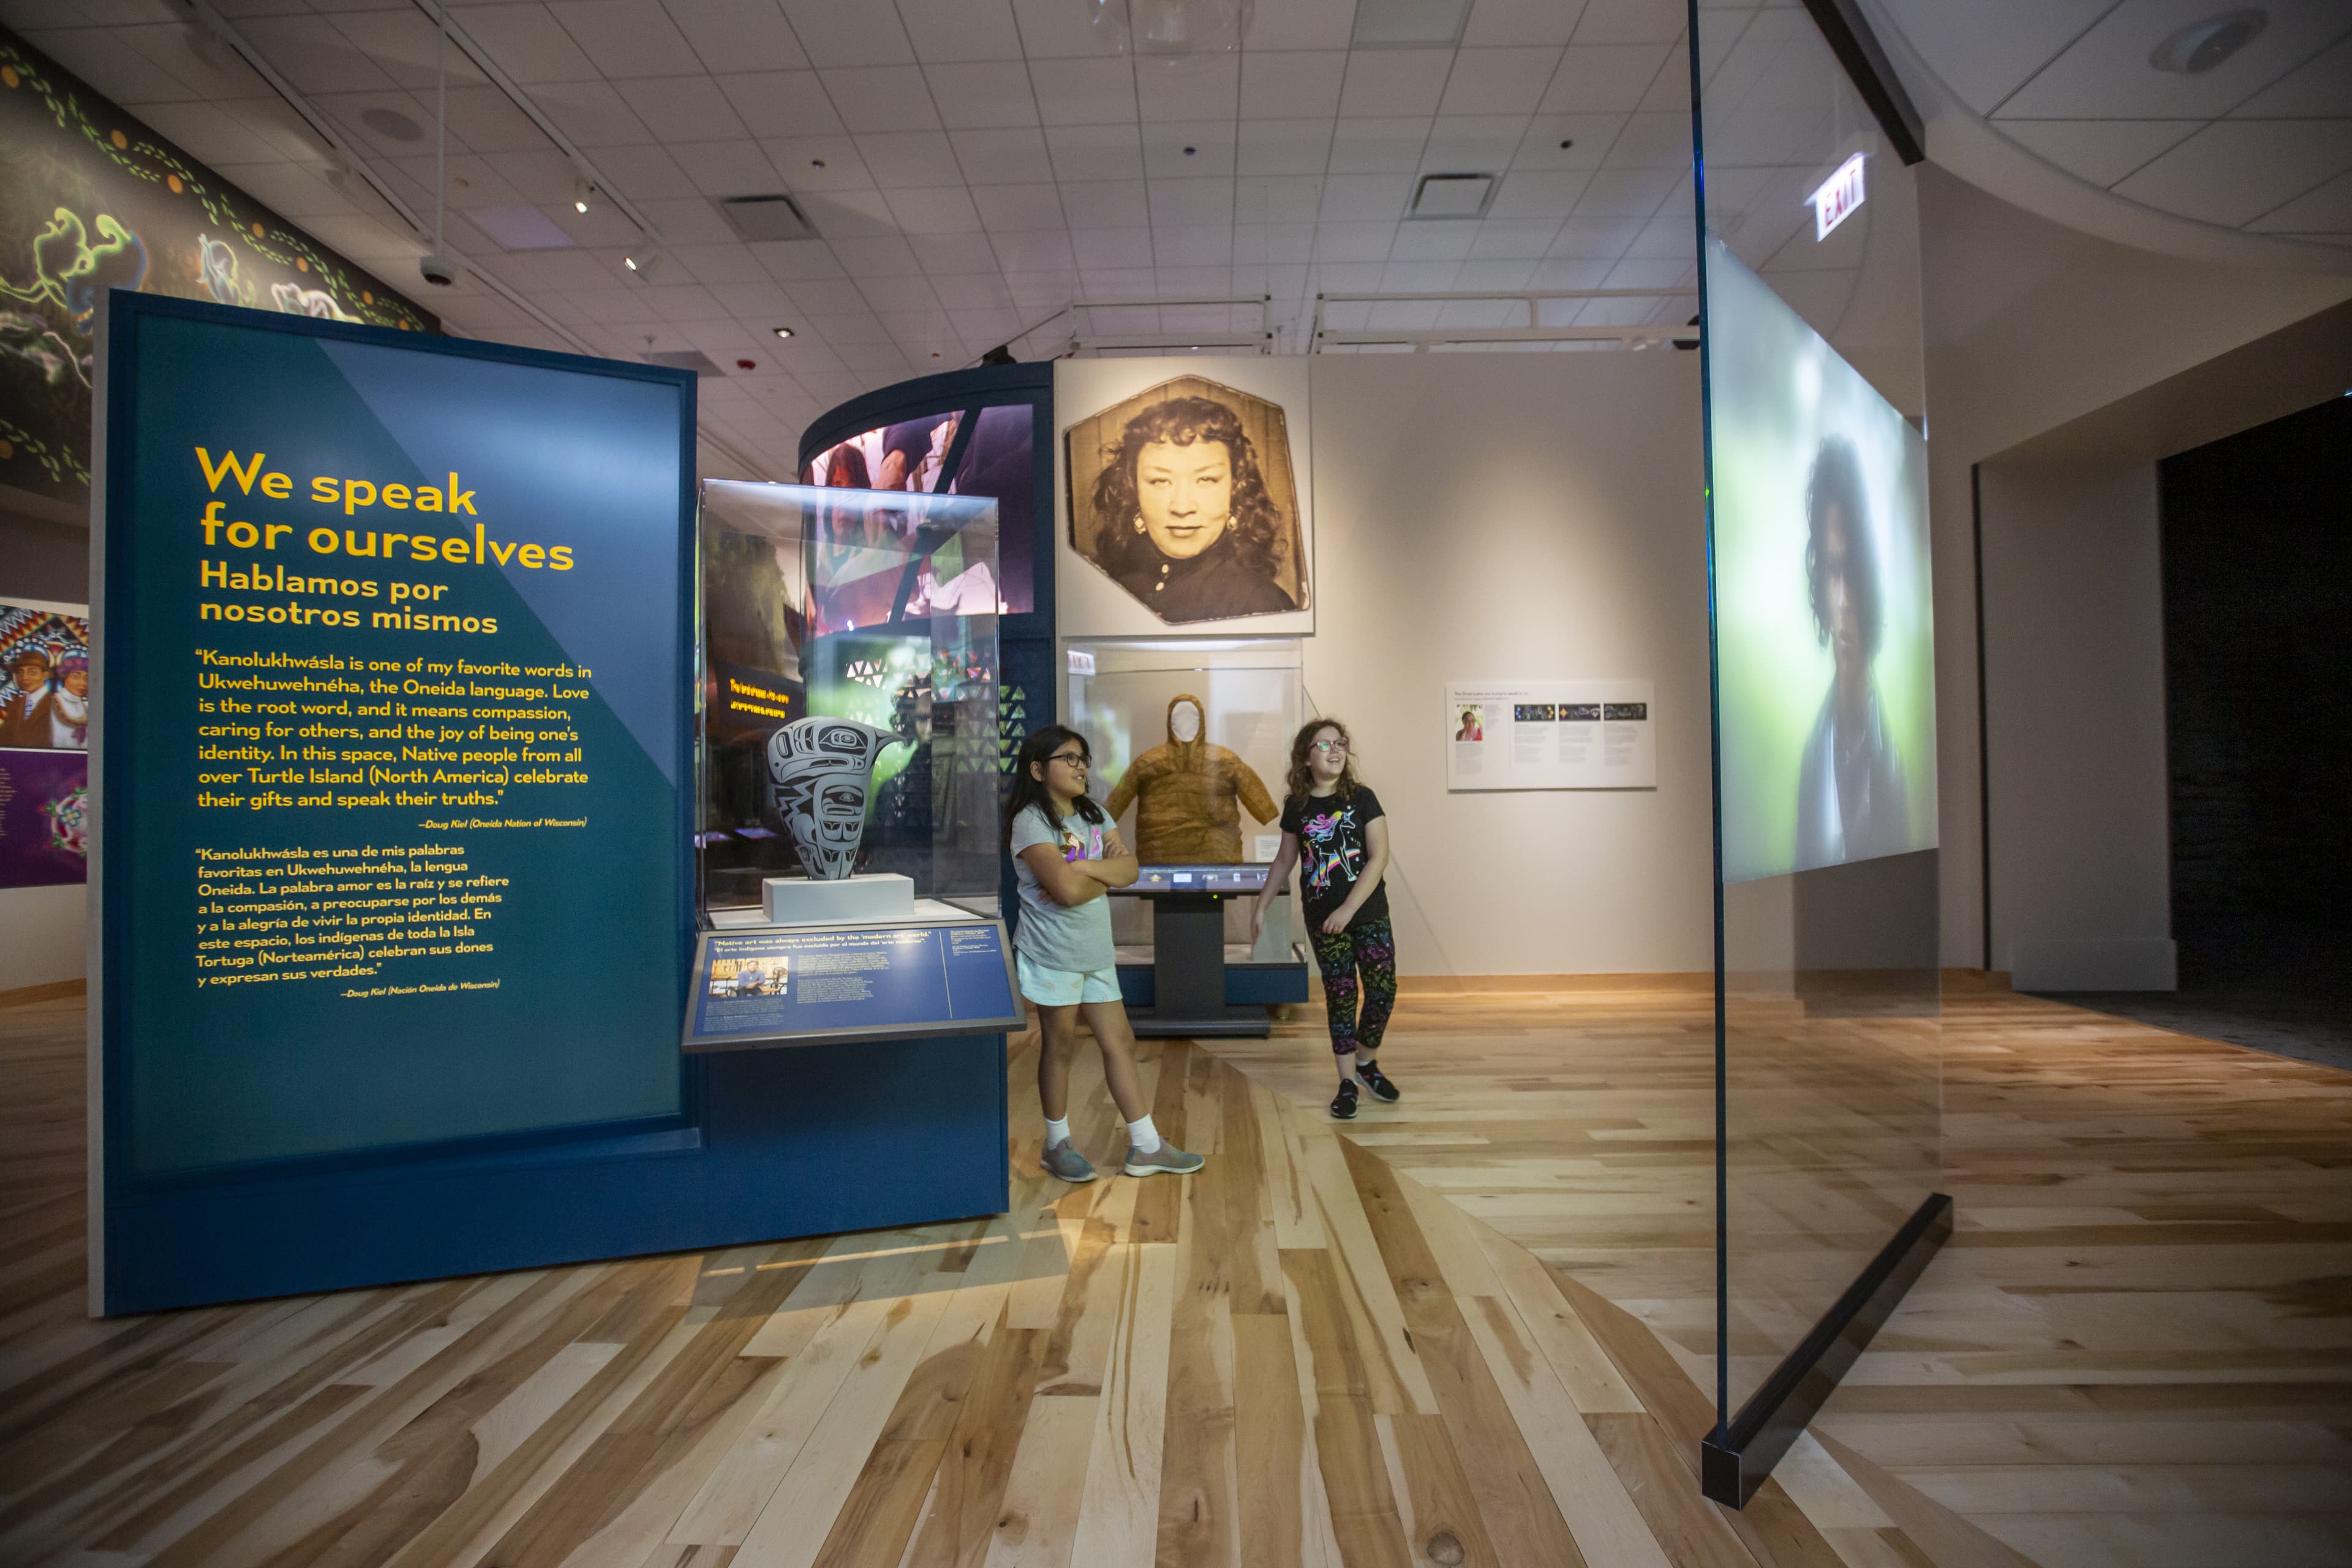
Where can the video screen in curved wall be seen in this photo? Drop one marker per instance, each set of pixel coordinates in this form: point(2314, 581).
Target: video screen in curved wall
point(1824, 608)
point(995, 463)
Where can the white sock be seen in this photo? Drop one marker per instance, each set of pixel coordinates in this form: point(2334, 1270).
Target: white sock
point(1142, 1137)
point(1056, 1132)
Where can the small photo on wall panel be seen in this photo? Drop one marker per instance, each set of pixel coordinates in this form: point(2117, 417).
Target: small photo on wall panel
point(1184, 502)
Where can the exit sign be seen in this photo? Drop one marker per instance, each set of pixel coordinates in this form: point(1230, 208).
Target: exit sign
point(1837, 198)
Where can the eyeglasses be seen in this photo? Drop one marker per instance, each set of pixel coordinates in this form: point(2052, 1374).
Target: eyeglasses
point(1075, 759)
point(1327, 746)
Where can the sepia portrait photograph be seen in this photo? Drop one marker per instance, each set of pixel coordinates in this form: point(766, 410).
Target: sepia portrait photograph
point(1185, 495)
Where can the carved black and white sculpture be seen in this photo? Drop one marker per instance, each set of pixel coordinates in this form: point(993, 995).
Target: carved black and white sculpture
point(820, 772)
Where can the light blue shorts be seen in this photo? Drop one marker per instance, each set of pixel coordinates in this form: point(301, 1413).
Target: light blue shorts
point(1065, 987)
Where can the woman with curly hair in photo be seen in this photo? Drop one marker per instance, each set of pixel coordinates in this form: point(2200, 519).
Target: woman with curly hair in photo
point(1187, 525)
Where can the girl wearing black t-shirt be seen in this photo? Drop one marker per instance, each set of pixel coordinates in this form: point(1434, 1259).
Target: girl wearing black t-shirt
point(1334, 828)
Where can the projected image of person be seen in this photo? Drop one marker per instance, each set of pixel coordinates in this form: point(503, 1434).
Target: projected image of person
point(1188, 524)
point(1850, 795)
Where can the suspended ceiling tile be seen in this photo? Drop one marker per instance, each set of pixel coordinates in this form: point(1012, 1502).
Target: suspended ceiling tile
point(1365, 198)
point(313, 54)
point(1498, 80)
point(1986, 50)
point(947, 30)
point(682, 107)
point(1178, 202)
point(1391, 82)
point(1010, 156)
point(1521, 22)
point(211, 134)
point(1472, 143)
point(1035, 250)
point(2105, 73)
point(738, 35)
point(2321, 88)
point(2101, 151)
point(1630, 21)
point(1112, 151)
point(626, 38)
point(591, 114)
point(1027, 206)
point(1292, 84)
point(941, 210)
point(1283, 147)
point(2234, 172)
point(1530, 194)
point(1105, 204)
point(1589, 137)
point(1649, 140)
point(2327, 211)
point(1188, 150)
point(1600, 79)
point(818, 163)
point(1083, 91)
point(527, 43)
point(780, 103)
point(983, 94)
point(880, 97)
point(1197, 90)
point(867, 34)
point(905, 160)
point(954, 255)
point(1098, 249)
point(1376, 146)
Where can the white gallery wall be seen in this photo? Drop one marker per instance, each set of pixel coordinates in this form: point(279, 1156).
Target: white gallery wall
point(1494, 516)
point(2074, 636)
point(2032, 326)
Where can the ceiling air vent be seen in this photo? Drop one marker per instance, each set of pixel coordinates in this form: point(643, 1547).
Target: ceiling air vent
point(1452, 195)
point(686, 359)
point(766, 217)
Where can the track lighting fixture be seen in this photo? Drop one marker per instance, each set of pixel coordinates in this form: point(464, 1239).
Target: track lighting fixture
point(580, 191)
point(643, 259)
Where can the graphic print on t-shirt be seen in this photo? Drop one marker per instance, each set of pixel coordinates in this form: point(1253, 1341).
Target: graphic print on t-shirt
point(1335, 853)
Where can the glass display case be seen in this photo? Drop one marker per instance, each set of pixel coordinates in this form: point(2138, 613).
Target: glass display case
point(1191, 743)
point(878, 606)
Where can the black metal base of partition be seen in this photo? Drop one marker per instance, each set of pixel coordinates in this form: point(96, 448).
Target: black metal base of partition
point(1733, 1463)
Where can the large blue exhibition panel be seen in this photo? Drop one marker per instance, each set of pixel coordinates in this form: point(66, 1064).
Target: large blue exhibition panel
point(395, 770)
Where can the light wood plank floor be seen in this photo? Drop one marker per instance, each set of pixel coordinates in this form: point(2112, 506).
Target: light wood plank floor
point(1463, 1330)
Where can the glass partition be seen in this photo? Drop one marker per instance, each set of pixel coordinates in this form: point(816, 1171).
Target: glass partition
point(1829, 1129)
point(1192, 742)
point(872, 605)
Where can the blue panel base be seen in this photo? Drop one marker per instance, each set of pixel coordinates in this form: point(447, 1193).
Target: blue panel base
point(804, 1141)
point(1247, 984)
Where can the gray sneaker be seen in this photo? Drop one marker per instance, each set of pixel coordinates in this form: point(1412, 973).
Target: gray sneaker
point(1066, 1162)
point(1166, 1158)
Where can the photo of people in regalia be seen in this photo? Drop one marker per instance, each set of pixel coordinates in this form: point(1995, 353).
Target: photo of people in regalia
point(45, 656)
point(44, 702)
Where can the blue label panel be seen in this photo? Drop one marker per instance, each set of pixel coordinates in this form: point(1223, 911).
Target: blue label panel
point(841, 982)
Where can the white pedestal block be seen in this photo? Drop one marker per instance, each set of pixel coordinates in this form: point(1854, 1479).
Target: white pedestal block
point(803, 901)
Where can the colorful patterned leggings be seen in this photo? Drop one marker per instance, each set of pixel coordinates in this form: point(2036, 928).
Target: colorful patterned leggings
point(1366, 949)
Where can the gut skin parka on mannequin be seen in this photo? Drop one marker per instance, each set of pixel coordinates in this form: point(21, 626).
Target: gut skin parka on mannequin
point(1193, 794)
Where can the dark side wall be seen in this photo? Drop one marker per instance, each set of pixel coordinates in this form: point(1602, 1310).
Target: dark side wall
point(2258, 670)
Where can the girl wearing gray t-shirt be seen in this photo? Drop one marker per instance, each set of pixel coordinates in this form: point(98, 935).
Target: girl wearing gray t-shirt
point(1067, 855)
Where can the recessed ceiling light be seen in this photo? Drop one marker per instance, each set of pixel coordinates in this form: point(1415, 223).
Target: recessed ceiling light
point(2200, 46)
point(784, 331)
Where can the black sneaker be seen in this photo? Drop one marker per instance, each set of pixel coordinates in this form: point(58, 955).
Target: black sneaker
point(1373, 1078)
point(1343, 1104)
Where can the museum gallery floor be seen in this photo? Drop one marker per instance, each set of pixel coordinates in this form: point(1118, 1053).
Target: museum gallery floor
point(1468, 1333)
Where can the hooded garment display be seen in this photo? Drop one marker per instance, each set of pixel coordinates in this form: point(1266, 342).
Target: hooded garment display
point(1193, 792)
